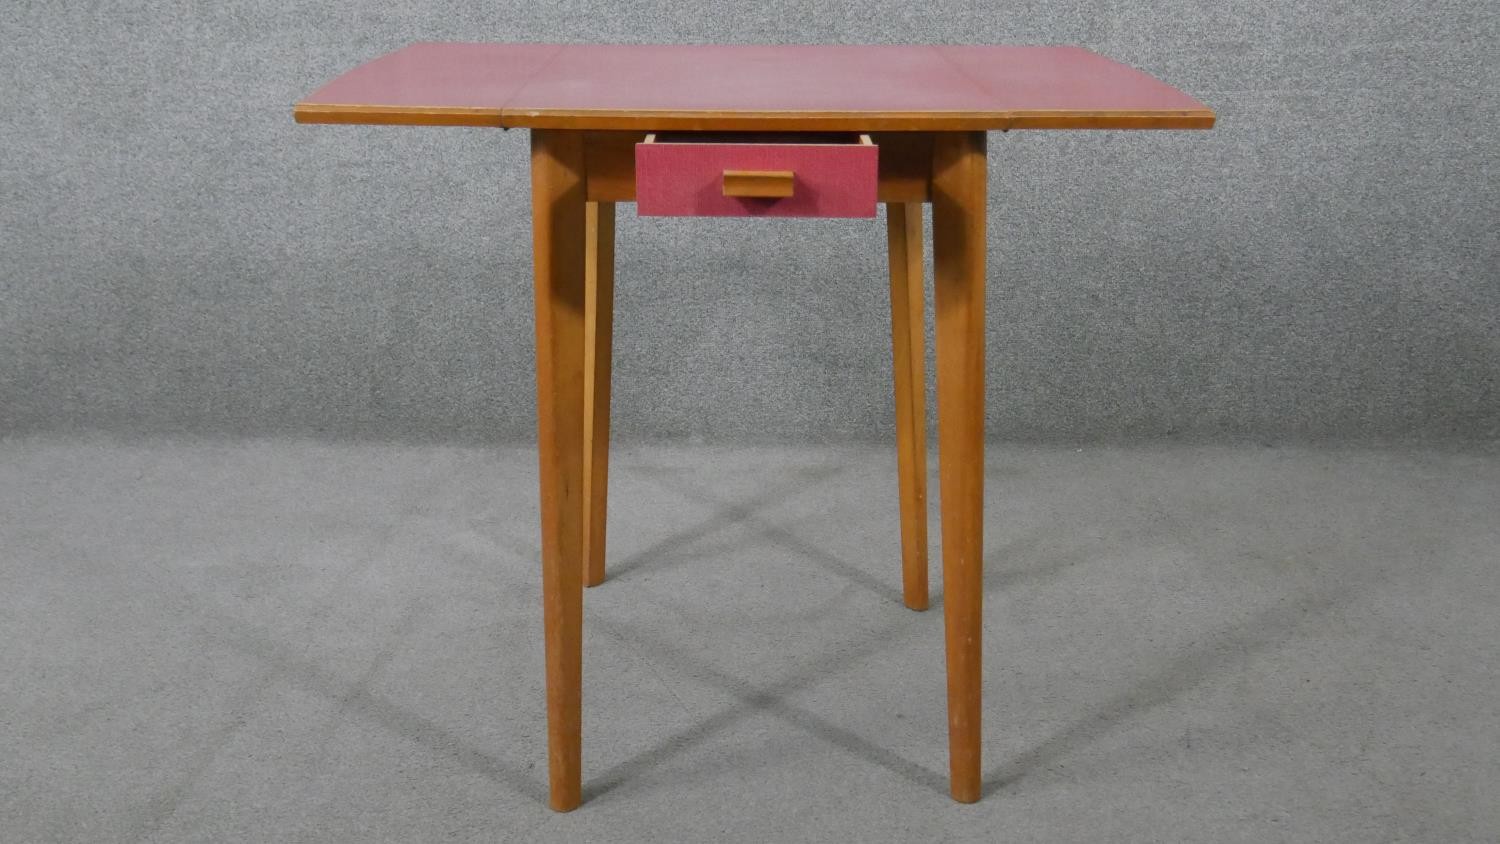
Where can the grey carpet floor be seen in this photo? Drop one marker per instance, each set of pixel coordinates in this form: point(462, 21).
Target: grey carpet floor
point(283, 641)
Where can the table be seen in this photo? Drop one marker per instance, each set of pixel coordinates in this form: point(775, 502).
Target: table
point(659, 125)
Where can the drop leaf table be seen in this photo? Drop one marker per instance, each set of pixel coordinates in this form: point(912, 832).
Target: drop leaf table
point(793, 131)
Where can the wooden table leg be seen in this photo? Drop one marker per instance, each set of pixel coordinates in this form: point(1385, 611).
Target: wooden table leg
point(598, 331)
point(958, 243)
point(557, 219)
point(904, 238)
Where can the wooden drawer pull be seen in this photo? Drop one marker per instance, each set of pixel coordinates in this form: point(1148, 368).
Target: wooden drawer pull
point(758, 183)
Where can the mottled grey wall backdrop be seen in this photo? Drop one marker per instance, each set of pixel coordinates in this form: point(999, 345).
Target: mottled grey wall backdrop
point(179, 256)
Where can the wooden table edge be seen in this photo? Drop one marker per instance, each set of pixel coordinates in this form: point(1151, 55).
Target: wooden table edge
point(388, 115)
point(700, 120)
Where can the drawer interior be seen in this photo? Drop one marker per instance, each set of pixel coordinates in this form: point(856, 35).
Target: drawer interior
point(796, 138)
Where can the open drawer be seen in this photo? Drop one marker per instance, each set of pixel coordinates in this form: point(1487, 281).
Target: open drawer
point(756, 174)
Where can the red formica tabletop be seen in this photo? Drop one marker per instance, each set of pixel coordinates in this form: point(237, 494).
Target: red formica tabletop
point(744, 87)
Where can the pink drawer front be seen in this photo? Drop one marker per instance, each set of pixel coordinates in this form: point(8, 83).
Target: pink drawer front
point(755, 174)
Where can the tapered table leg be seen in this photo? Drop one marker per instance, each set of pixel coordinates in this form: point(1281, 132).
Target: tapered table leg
point(958, 217)
point(904, 238)
point(558, 227)
point(598, 332)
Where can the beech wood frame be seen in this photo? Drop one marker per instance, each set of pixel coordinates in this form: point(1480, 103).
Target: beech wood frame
point(577, 177)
